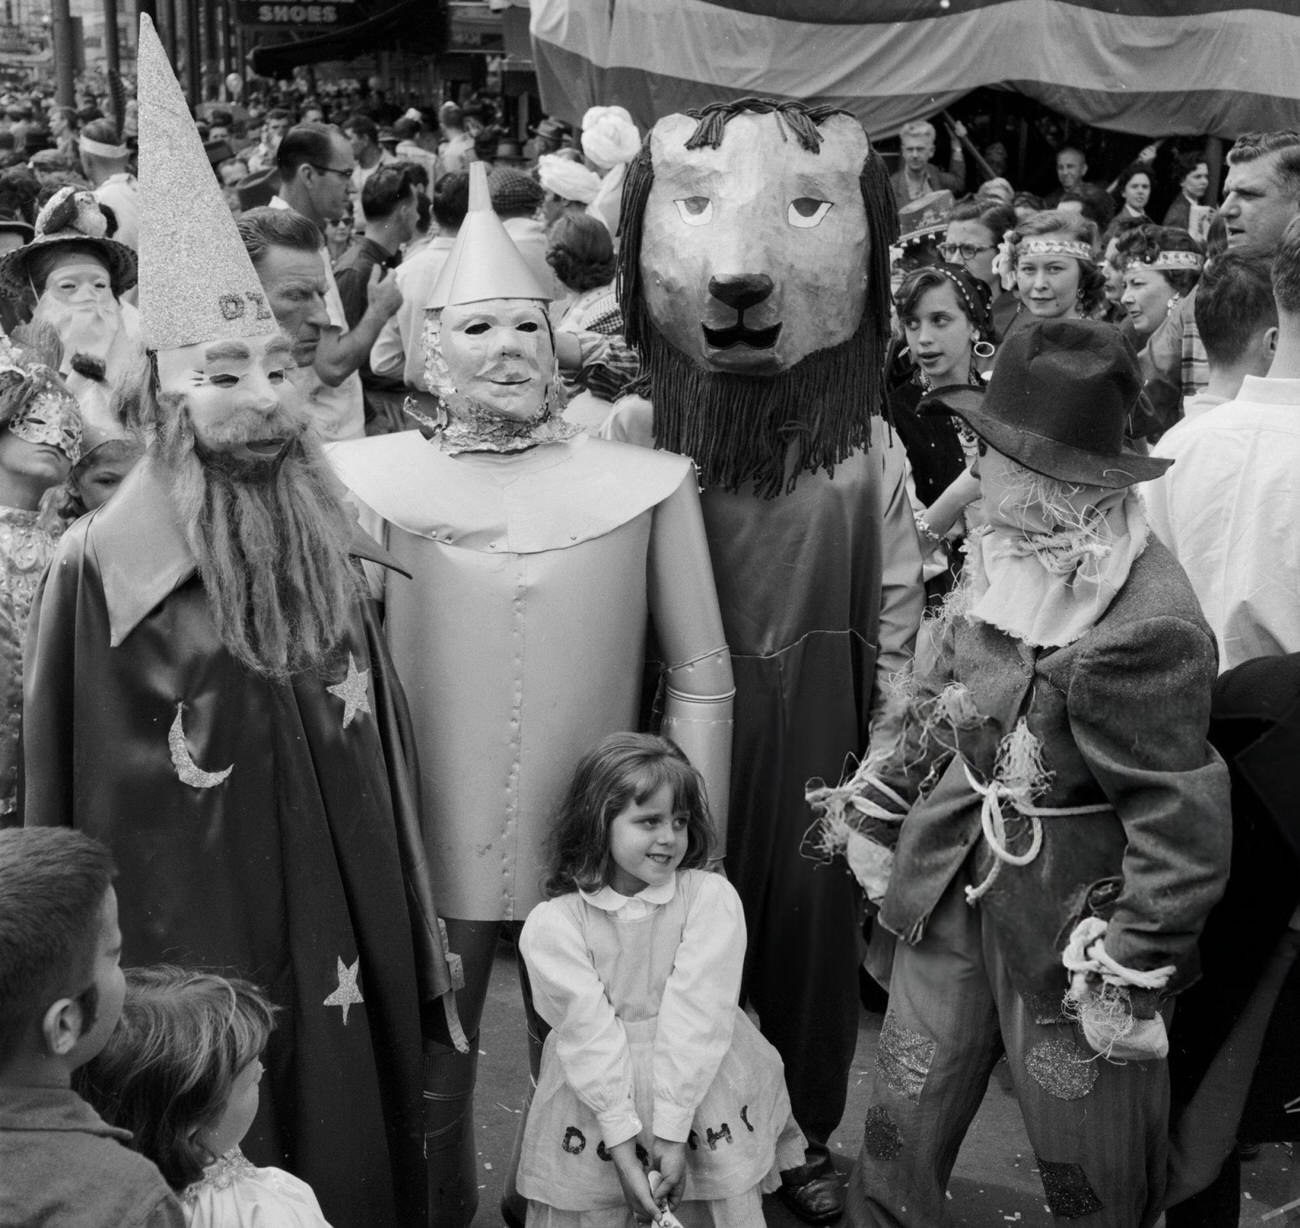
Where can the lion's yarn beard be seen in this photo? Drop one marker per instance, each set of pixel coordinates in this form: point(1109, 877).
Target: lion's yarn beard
point(271, 539)
point(763, 429)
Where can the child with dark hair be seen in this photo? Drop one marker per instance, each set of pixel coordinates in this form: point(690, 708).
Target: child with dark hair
point(635, 961)
point(181, 1073)
point(60, 997)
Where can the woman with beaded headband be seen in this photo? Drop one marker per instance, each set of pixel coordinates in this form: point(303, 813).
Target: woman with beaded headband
point(1160, 264)
point(1051, 261)
point(944, 315)
point(40, 442)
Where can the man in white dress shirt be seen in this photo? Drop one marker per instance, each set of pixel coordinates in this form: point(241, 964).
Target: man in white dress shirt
point(1229, 507)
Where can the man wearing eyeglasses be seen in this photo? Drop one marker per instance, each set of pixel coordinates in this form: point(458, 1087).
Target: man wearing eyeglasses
point(316, 163)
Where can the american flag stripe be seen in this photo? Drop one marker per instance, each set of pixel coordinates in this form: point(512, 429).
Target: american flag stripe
point(1155, 67)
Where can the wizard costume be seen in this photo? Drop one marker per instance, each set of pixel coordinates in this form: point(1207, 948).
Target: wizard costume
point(265, 829)
point(262, 828)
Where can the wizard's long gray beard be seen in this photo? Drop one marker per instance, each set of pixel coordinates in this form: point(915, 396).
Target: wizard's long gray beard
point(272, 543)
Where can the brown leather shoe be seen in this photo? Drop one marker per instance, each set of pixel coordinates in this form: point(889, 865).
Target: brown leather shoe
point(818, 1198)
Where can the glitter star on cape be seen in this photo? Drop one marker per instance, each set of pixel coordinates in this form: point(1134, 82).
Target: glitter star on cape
point(353, 691)
point(347, 995)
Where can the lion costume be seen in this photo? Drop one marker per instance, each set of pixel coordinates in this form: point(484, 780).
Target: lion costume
point(754, 281)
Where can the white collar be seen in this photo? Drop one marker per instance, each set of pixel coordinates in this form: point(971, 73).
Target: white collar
point(1269, 390)
point(610, 900)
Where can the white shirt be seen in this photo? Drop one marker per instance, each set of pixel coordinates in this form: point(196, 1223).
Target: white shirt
point(399, 348)
point(1229, 510)
point(1200, 403)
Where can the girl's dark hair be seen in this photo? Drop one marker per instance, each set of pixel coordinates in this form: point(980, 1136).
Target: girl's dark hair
point(580, 251)
point(168, 1069)
point(623, 769)
point(1145, 243)
point(972, 294)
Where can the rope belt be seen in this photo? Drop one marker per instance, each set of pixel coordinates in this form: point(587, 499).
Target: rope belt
point(994, 825)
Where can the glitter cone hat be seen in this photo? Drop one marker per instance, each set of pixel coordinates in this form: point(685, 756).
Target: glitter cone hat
point(485, 263)
point(196, 281)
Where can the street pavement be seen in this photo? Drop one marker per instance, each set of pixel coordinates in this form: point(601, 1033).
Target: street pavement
point(994, 1184)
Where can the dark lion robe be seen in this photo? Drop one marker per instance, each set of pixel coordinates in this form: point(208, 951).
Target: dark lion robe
point(301, 869)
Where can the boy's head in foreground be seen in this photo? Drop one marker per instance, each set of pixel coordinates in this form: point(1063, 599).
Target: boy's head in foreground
point(61, 986)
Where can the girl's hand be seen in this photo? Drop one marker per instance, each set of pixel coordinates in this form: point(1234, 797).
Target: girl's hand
point(670, 1161)
point(631, 1176)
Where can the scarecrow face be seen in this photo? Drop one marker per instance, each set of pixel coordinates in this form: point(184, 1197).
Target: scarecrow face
point(754, 254)
point(497, 355)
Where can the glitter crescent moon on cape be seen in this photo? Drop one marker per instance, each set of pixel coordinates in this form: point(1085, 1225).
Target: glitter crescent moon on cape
point(189, 772)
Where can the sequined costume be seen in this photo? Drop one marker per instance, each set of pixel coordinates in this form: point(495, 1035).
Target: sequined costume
point(26, 545)
point(263, 829)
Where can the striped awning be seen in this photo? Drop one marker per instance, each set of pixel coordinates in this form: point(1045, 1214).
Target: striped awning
point(1151, 67)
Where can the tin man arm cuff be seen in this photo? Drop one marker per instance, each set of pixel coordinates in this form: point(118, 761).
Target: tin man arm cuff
point(701, 726)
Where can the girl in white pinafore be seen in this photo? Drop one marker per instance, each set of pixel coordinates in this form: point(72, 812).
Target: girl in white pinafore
point(656, 1091)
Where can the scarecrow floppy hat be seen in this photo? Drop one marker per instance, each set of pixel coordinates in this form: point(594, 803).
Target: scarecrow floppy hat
point(1058, 402)
point(71, 215)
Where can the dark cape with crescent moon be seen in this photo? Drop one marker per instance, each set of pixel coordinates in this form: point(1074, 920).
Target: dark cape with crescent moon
point(302, 869)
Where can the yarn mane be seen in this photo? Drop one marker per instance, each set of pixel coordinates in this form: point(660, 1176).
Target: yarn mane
point(762, 430)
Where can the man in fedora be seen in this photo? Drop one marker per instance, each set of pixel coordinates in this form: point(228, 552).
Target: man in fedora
point(1056, 822)
point(550, 136)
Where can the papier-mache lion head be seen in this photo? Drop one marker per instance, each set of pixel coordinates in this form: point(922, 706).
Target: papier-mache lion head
point(754, 281)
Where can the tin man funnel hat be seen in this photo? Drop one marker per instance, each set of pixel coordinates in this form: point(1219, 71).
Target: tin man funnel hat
point(196, 280)
point(485, 263)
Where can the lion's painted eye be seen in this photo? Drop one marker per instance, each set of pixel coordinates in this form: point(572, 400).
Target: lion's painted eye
point(806, 211)
point(695, 210)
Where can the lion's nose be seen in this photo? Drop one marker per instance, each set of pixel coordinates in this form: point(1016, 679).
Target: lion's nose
point(741, 290)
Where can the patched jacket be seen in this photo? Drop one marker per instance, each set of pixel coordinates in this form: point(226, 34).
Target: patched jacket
point(1121, 716)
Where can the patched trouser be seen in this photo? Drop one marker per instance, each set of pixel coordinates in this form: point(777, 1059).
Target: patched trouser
point(1097, 1128)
